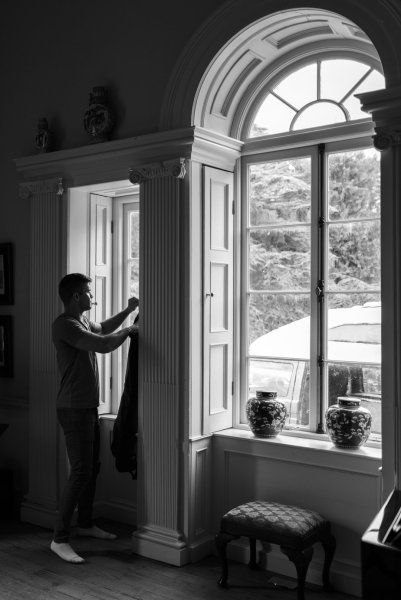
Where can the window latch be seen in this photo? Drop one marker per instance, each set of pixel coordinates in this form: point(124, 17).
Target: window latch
point(319, 290)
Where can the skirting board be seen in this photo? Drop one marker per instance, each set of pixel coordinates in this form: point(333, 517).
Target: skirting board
point(345, 577)
point(150, 544)
point(116, 510)
point(37, 515)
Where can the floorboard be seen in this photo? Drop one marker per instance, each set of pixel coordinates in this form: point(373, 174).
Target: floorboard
point(30, 571)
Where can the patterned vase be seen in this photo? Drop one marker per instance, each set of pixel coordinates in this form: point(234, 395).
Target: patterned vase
point(99, 118)
point(266, 415)
point(348, 423)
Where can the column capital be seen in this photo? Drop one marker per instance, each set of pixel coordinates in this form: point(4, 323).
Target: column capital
point(43, 186)
point(385, 108)
point(170, 168)
point(383, 140)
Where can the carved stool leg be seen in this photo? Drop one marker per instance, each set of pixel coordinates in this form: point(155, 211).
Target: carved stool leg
point(301, 560)
point(252, 559)
point(221, 540)
point(329, 545)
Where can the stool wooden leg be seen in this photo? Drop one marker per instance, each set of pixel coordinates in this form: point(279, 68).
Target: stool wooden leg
point(252, 558)
point(221, 541)
point(329, 545)
point(301, 560)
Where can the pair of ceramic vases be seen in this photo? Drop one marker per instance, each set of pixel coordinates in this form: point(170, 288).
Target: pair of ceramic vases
point(347, 422)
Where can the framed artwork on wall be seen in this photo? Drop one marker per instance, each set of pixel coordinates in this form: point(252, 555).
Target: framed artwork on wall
point(6, 350)
point(6, 274)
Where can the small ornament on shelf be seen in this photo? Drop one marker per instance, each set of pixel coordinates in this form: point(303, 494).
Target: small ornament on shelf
point(99, 118)
point(43, 136)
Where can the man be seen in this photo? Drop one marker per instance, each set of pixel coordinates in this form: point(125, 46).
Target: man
point(76, 340)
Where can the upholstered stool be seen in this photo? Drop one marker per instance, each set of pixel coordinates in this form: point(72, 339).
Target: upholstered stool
point(294, 529)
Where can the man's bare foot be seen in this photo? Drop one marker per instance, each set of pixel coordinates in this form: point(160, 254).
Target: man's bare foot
point(65, 552)
point(95, 532)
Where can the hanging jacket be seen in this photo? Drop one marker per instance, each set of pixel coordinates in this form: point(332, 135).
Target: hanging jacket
point(125, 429)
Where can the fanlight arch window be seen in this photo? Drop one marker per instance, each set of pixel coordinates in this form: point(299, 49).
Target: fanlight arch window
point(319, 93)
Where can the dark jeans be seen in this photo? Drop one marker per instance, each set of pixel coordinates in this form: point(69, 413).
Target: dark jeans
point(82, 437)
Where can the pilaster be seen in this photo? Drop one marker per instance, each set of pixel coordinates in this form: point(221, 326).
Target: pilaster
point(160, 471)
point(40, 504)
point(385, 108)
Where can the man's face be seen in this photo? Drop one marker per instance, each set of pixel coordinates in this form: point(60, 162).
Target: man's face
point(84, 297)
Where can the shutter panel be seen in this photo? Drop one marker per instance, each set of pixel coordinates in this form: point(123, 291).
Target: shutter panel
point(218, 300)
point(101, 274)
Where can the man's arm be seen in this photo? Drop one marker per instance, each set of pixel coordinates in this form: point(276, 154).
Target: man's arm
point(111, 324)
point(103, 343)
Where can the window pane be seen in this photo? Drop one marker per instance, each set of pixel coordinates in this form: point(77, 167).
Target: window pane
point(280, 191)
point(339, 76)
point(134, 234)
point(290, 379)
point(278, 325)
point(354, 350)
point(354, 256)
point(354, 328)
point(300, 87)
point(279, 259)
point(272, 117)
point(316, 115)
point(354, 184)
point(375, 81)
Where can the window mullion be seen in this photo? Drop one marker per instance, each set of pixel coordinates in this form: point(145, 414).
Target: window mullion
point(322, 383)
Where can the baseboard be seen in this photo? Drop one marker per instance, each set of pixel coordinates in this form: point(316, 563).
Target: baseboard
point(160, 544)
point(116, 510)
point(37, 515)
point(201, 549)
point(345, 577)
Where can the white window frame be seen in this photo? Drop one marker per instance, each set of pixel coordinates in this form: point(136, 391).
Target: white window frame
point(352, 136)
point(122, 204)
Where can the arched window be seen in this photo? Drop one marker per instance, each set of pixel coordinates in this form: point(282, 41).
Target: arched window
point(317, 94)
point(310, 242)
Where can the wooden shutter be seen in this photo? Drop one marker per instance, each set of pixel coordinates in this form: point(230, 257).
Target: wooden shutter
point(218, 299)
point(101, 274)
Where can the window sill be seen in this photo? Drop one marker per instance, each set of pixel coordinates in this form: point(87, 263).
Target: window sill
point(308, 450)
point(108, 417)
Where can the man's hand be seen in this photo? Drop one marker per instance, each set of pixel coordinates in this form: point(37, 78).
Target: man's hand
point(133, 304)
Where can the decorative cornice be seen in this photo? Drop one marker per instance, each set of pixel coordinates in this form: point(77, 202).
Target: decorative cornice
point(43, 186)
point(171, 168)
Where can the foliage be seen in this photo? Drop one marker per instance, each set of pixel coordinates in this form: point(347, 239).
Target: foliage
point(280, 236)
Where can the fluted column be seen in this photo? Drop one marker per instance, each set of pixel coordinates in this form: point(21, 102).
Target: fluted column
point(385, 108)
point(160, 479)
point(40, 504)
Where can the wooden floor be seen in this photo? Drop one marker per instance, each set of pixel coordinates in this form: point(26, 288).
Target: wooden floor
point(30, 571)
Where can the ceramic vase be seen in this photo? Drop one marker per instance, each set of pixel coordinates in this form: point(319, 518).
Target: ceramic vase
point(266, 415)
point(99, 118)
point(348, 423)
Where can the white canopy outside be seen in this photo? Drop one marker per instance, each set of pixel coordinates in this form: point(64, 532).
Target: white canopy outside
point(354, 335)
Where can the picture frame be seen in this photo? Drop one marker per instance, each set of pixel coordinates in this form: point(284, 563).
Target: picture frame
point(6, 274)
point(6, 346)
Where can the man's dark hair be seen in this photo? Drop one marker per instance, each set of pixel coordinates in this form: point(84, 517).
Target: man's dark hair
point(71, 283)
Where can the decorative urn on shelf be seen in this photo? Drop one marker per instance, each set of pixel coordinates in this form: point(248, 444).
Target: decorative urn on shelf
point(99, 118)
point(266, 415)
point(348, 423)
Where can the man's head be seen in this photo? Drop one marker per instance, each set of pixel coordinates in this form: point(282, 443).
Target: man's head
point(73, 286)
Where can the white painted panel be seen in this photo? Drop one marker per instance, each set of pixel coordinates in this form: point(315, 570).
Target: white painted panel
point(218, 378)
point(219, 301)
point(100, 270)
point(101, 235)
point(219, 211)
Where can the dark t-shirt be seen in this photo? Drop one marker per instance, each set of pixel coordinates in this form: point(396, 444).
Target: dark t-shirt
point(79, 385)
